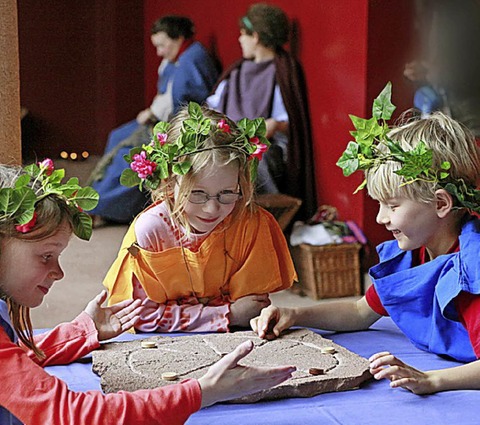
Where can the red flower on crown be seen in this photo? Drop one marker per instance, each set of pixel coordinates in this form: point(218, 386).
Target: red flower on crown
point(47, 165)
point(143, 166)
point(222, 125)
point(260, 150)
point(162, 138)
point(25, 228)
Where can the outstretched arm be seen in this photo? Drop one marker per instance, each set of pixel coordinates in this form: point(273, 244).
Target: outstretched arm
point(227, 380)
point(69, 341)
point(386, 366)
point(344, 315)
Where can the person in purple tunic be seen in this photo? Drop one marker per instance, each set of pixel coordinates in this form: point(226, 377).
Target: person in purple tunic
point(268, 82)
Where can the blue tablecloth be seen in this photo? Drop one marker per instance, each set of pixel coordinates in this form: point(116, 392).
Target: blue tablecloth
point(375, 403)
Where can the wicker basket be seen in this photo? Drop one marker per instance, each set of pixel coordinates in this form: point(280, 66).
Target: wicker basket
point(282, 207)
point(328, 271)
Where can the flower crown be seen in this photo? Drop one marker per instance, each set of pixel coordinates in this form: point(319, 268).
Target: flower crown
point(36, 183)
point(417, 163)
point(150, 164)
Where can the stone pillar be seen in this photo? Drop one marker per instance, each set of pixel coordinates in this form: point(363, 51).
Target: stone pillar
point(10, 132)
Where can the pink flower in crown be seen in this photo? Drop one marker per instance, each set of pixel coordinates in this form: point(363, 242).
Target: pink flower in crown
point(261, 149)
point(162, 138)
point(143, 166)
point(25, 228)
point(255, 140)
point(47, 165)
point(222, 125)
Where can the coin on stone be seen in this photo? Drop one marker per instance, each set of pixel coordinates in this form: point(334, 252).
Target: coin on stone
point(149, 344)
point(328, 350)
point(169, 376)
point(316, 371)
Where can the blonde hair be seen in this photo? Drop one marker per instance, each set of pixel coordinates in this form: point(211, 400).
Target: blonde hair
point(449, 141)
point(52, 211)
point(216, 151)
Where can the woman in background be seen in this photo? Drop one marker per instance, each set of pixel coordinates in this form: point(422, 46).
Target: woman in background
point(186, 73)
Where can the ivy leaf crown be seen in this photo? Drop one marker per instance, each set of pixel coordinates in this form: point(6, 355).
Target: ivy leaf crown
point(152, 163)
point(35, 183)
point(372, 147)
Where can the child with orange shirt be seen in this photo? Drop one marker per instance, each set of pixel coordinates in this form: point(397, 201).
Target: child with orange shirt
point(203, 257)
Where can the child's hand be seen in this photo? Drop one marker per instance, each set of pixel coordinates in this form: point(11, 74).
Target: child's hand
point(385, 365)
point(272, 321)
point(112, 321)
point(242, 310)
point(144, 116)
point(226, 380)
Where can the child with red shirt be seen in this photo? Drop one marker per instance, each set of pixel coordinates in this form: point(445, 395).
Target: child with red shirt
point(38, 215)
point(428, 277)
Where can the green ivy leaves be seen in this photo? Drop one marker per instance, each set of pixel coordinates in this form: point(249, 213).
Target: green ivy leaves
point(363, 154)
point(19, 201)
point(373, 147)
point(370, 135)
point(383, 107)
point(172, 156)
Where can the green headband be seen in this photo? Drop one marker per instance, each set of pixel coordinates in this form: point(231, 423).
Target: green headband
point(417, 163)
point(38, 181)
point(150, 164)
point(248, 23)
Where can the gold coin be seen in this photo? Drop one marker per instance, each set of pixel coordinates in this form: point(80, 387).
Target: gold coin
point(316, 371)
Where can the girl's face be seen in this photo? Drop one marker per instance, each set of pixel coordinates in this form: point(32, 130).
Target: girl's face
point(248, 44)
point(28, 269)
point(212, 180)
point(165, 46)
point(413, 224)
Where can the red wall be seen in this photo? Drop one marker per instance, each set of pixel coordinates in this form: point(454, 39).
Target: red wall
point(87, 67)
point(349, 50)
point(81, 71)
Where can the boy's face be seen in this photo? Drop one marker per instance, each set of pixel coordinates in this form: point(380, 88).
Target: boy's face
point(30, 268)
point(413, 224)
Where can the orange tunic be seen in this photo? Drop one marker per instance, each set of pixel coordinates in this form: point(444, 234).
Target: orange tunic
point(249, 256)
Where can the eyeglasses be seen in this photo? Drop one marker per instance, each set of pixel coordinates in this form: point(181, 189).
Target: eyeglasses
point(224, 197)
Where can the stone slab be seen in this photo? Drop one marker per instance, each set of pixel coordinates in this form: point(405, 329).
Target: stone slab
point(128, 366)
